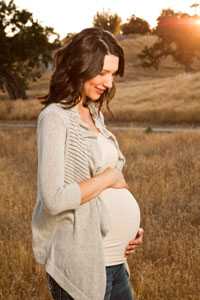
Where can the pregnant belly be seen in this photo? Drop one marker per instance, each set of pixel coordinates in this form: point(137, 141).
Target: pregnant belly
point(124, 216)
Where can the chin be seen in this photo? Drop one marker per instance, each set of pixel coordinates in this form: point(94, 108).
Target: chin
point(95, 98)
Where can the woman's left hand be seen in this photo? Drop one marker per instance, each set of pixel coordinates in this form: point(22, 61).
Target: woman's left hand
point(133, 244)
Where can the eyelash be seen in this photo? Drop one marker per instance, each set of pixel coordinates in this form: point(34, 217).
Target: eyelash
point(102, 74)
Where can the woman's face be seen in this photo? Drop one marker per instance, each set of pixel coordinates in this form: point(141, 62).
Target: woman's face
point(95, 87)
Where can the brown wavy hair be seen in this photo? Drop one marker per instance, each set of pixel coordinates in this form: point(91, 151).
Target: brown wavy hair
point(79, 60)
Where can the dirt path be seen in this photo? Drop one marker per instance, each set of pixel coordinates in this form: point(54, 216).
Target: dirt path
point(122, 126)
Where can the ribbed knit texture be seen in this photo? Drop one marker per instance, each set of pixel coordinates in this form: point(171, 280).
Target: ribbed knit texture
point(76, 164)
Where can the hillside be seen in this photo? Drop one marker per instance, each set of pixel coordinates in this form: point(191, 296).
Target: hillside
point(174, 99)
point(132, 47)
point(168, 95)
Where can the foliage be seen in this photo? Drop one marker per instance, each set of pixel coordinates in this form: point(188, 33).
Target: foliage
point(25, 47)
point(107, 21)
point(135, 25)
point(195, 6)
point(67, 38)
point(178, 36)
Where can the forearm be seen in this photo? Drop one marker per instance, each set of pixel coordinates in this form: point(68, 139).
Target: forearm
point(92, 187)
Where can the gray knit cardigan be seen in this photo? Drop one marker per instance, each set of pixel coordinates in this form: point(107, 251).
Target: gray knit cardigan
point(67, 236)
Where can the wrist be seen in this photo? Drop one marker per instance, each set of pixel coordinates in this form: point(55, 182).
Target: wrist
point(106, 178)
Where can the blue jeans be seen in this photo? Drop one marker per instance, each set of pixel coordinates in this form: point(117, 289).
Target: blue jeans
point(117, 287)
point(56, 291)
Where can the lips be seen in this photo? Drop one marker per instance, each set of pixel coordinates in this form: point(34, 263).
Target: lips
point(100, 91)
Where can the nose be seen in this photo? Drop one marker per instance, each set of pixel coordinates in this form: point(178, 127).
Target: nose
point(108, 81)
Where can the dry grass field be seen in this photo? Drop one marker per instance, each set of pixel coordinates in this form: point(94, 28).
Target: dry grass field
point(162, 171)
point(166, 96)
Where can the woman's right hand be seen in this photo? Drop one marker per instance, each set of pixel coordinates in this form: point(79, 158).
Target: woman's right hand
point(116, 178)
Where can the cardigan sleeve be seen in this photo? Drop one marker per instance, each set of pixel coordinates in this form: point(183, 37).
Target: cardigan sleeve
point(57, 196)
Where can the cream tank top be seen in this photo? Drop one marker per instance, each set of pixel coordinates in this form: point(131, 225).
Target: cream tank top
point(123, 209)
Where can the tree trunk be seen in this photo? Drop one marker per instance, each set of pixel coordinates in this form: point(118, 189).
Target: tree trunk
point(13, 85)
point(188, 68)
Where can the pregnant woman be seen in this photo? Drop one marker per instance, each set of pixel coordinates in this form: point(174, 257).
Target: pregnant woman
point(85, 221)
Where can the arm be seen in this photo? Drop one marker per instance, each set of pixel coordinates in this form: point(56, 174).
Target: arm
point(57, 195)
point(110, 177)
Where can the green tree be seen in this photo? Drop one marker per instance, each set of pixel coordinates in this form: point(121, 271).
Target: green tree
point(25, 47)
point(178, 36)
point(107, 21)
point(135, 25)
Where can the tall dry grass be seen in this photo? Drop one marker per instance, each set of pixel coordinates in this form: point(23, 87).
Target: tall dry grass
point(171, 100)
point(163, 173)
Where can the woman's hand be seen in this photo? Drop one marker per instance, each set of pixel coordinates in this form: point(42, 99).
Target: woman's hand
point(116, 178)
point(133, 244)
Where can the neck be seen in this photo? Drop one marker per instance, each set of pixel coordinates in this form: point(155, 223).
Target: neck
point(83, 111)
point(80, 106)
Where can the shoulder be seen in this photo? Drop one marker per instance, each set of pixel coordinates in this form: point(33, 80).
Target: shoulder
point(54, 112)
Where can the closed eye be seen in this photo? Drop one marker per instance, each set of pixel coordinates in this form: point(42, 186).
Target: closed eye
point(104, 73)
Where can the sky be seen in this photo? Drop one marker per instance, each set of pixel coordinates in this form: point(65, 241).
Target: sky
point(74, 15)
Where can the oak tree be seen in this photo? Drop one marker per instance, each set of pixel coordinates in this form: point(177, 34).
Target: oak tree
point(25, 47)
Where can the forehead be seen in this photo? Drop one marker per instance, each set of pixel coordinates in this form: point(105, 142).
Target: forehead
point(111, 62)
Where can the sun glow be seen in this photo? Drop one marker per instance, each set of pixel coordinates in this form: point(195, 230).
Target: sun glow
point(197, 22)
point(64, 16)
